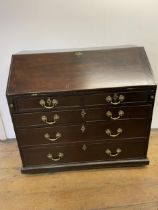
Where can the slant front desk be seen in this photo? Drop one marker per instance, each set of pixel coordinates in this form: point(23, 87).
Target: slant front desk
point(84, 109)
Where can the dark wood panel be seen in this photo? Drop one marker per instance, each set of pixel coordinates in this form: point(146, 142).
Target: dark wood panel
point(85, 152)
point(47, 103)
point(116, 98)
point(83, 132)
point(56, 117)
point(82, 115)
point(70, 71)
point(82, 99)
point(85, 165)
point(116, 113)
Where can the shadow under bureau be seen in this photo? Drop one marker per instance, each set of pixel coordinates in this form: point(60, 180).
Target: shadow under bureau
point(84, 109)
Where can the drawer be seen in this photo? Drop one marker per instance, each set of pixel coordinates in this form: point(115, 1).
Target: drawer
point(104, 151)
point(84, 132)
point(117, 113)
point(81, 115)
point(47, 118)
point(116, 98)
point(47, 103)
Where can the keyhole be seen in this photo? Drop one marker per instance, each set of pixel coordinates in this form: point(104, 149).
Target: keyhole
point(84, 147)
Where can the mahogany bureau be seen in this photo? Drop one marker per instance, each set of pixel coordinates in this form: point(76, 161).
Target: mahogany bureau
point(84, 109)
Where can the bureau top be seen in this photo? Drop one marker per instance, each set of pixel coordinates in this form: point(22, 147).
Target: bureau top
point(81, 70)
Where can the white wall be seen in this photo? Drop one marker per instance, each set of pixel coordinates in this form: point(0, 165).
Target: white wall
point(2, 130)
point(55, 24)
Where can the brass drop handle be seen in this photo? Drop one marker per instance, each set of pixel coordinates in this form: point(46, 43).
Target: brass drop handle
point(120, 114)
point(118, 151)
point(44, 119)
point(47, 136)
point(115, 99)
point(48, 104)
point(115, 103)
point(108, 132)
point(60, 156)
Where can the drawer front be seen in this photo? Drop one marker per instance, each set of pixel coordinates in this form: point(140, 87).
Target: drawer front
point(47, 118)
point(47, 103)
point(84, 132)
point(118, 113)
point(104, 151)
point(81, 115)
point(117, 98)
point(55, 102)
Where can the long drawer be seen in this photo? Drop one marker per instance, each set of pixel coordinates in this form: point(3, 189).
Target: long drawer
point(89, 131)
point(81, 115)
point(60, 101)
point(85, 152)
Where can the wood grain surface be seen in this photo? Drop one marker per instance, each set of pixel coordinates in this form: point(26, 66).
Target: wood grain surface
point(32, 73)
point(101, 189)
